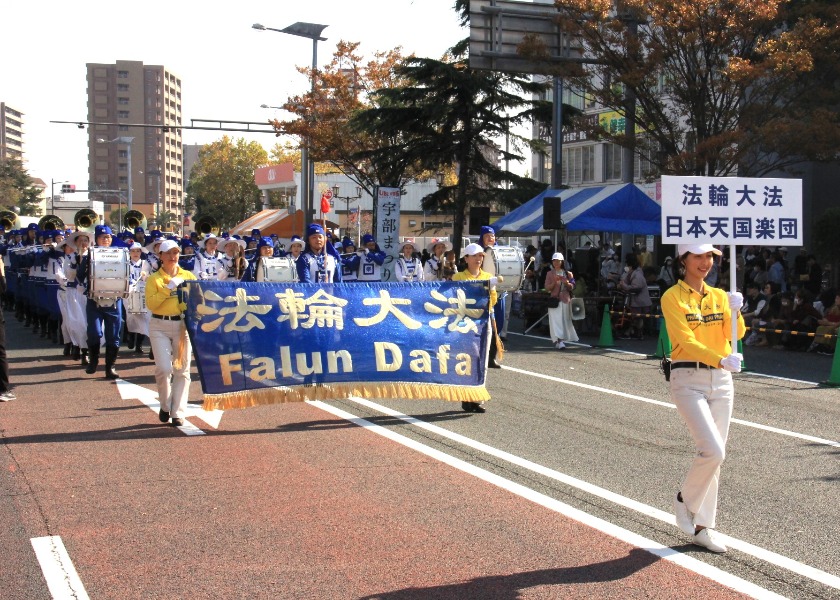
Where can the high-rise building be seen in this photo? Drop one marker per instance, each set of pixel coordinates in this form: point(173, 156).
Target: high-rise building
point(122, 153)
point(11, 132)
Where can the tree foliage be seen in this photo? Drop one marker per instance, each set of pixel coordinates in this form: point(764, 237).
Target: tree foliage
point(222, 181)
point(338, 91)
point(16, 188)
point(446, 117)
point(721, 87)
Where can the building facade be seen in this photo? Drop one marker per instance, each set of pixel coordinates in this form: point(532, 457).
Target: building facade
point(122, 154)
point(11, 133)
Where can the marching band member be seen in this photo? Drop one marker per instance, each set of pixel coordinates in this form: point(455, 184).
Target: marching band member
point(168, 334)
point(140, 236)
point(408, 267)
point(59, 274)
point(474, 256)
point(279, 249)
point(76, 299)
point(55, 271)
point(250, 248)
point(433, 270)
point(296, 249)
point(371, 260)
point(265, 249)
point(137, 324)
point(320, 262)
point(188, 255)
point(102, 313)
point(233, 263)
point(151, 254)
point(207, 261)
point(349, 261)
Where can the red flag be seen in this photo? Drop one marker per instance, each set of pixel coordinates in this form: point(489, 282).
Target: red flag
point(325, 202)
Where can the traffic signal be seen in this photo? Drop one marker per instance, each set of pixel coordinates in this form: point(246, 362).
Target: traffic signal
point(67, 188)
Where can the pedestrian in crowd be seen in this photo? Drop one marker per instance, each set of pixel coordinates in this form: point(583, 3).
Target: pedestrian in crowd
point(753, 303)
point(634, 284)
point(168, 334)
point(766, 314)
point(559, 283)
point(825, 340)
point(776, 270)
point(610, 271)
point(813, 281)
point(803, 319)
point(666, 275)
point(474, 256)
point(6, 393)
point(699, 322)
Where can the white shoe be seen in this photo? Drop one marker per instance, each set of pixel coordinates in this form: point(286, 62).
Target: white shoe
point(559, 344)
point(707, 539)
point(6, 396)
point(685, 520)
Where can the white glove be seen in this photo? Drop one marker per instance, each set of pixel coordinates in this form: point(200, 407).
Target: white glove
point(732, 363)
point(736, 300)
point(174, 282)
point(493, 282)
point(367, 250)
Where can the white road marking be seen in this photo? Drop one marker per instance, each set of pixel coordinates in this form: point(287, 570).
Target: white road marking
point(761, 553)
point(655, 548)
point(62, 579)
point(131, 391)
point(595, 388)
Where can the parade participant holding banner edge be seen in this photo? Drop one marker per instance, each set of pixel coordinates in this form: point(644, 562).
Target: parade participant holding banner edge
point(168, 334)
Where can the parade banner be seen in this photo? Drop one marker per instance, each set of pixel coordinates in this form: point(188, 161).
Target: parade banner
point(732, 210)
point(269, 343)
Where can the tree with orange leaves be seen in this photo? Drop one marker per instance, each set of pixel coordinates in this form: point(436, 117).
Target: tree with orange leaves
point(721, 87)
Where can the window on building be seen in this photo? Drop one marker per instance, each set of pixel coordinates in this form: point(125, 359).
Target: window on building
point(122, 87)
point(579, 164)
point(612, 161)
point(122, 114)
point(122, 74)
point(122, 100)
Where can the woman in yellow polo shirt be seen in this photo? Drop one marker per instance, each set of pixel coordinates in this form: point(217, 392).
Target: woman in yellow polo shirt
point(168, 334)
point(699, 322)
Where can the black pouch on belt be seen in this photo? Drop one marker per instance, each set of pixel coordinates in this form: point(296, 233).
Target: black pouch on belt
point(665, 367)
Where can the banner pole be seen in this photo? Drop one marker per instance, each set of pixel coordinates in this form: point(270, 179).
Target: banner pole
point(733, 287)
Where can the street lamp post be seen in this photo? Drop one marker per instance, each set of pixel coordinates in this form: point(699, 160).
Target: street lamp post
point(123, 140)
point(336, 194)
point(52, 194)
point(313, 32)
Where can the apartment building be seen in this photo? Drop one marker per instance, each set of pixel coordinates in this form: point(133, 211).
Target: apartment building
point(135, 150)
point(11, 132)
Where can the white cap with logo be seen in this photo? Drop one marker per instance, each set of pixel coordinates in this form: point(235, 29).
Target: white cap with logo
point(697, 249)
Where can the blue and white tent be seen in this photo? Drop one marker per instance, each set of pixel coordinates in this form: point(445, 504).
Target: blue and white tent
point(621, 208)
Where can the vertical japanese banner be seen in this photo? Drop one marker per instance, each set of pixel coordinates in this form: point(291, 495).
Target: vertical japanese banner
point(388, 227)
point(268, 343)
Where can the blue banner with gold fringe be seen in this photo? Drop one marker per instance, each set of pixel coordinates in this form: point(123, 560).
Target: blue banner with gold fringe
point(268, 343)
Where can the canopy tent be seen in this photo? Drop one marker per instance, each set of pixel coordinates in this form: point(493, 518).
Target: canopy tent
point(277, 221)
point(621, 208)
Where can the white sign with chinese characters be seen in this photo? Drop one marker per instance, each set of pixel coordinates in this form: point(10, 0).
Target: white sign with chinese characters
point(727, 211)
point(388, 227)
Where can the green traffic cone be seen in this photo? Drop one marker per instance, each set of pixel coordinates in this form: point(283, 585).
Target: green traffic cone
point(834, 378)
point(663, 344)
point(744, 368)
point(606, 339)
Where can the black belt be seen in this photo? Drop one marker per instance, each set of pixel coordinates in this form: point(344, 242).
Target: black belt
point(690, 365)
point(167, 317)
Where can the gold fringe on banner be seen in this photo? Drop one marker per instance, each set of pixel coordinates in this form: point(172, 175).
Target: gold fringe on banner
point(340, 391)
point(178, 362)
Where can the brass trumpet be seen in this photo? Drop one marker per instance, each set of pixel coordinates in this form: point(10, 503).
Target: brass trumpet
point(134, 219)
point(8, 219)
point(50, 223)
point(205, 225)
point(85, 220)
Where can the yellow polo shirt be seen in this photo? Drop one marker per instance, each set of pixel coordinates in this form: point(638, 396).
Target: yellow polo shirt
point(482, 276)
point(699, 325)
point(160, 300)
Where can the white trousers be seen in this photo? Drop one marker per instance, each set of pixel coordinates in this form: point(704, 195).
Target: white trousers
point(173, 384)
point(704, 400)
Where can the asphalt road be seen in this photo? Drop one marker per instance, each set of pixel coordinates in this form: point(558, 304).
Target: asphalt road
point(561, 490)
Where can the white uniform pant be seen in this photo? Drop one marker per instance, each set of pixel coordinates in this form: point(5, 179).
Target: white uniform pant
point(173, 384)
point(704, 400)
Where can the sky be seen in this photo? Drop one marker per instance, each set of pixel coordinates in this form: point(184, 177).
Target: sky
point(227, 68)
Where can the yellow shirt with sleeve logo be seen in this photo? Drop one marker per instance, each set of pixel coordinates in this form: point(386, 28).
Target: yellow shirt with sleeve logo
point(482, 276)
point(699, 325)
point(160, 300)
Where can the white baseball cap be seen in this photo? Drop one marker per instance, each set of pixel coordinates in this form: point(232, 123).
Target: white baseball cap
point(167, 245)
point(557, 256)
point(697, 249)
point(473, 249)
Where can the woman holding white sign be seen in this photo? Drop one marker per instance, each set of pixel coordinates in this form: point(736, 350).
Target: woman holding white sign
point(699, 321)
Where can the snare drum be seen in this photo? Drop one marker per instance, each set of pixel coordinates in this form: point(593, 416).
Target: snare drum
point(510, 267)
point(277, 269)
point(109, 272)
point(135, 302)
